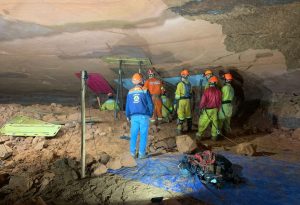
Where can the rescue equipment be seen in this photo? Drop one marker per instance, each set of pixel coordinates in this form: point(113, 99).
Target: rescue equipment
point(211, 168)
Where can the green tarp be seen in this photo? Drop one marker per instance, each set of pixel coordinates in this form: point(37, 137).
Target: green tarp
point(25, 126)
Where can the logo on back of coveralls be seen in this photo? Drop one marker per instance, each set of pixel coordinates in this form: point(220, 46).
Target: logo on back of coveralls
point(136, 99)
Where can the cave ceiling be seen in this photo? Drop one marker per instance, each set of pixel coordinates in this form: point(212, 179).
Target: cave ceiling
point(43, 43)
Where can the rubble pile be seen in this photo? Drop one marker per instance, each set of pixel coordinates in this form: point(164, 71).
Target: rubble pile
point(49, 167)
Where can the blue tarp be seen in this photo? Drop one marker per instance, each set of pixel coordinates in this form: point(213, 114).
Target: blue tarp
point(194, 79)
point(126, 83)
point(268, 181)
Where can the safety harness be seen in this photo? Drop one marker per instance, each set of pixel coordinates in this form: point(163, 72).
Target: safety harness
point(226, 102)
point(204, 159)
point(187, 88)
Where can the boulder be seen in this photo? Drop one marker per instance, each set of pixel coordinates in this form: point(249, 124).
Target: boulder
point(69, 175)
point(22, 147)
point(48, 155)
point(127, 160)
point(152, 149)
point(75, 175)
point(35, 140)
point(114, 163)
point(101, 169)
point(161, 144)
point(4, 139)
point(185, 144)
point(74, 117)
point(104, 158)
point(47, 178)
point(4, 179)
point(171, 143)
point(5, 152)
point(20, 184)
point(69, 125)
point(28, 140)
point(18, 139)
point(40, 145)
point(9, 143)
point(245, 148)
point(160, 150)
point(72, 163)
point(150, 138)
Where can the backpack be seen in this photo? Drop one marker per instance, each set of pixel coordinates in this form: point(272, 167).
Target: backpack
point(209, 167)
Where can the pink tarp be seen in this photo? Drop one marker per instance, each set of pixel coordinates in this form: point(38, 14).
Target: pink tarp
point(97, 83)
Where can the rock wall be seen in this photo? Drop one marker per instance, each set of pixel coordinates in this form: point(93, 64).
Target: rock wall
point(40, 52)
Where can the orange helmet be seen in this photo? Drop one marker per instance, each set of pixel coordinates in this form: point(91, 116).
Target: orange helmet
point(137, 78)
point(228, 76)
point(150, 72)
point(208, 72)
point(213, 79)
point(184, 73)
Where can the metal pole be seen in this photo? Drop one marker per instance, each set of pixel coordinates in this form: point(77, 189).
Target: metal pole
point(84, 77)
point(121, 84)
point(140, 68)
point(118, 95)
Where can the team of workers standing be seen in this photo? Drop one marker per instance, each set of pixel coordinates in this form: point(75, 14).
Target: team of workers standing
point(147, 102)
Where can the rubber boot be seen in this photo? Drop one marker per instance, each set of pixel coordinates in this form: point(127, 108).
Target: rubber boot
point(198, 136)
point(214, 138)
point(189, 124)
point(179, 127)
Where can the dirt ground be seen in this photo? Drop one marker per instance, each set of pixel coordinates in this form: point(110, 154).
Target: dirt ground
point(48, 169)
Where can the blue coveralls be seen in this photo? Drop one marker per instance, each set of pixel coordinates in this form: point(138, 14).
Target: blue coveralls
point(139, 108)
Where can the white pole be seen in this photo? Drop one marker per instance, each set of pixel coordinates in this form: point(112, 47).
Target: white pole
point(83, 90)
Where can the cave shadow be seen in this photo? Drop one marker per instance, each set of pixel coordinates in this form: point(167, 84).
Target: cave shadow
point(263, 154)
point(244, 108)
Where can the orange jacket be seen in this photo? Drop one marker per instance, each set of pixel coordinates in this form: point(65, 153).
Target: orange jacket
point(154, 85)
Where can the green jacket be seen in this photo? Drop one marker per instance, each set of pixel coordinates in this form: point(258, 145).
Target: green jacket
point(227, 92)
point(110, 104)
point(181, 89)
point(227, 96)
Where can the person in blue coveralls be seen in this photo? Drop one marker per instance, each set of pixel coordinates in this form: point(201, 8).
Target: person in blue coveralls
point(139, 109)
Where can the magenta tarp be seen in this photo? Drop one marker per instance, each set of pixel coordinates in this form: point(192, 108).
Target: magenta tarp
point(97, 83)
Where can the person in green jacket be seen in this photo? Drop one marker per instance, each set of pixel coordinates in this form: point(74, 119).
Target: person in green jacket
point(167, 107)
point(110, 103)
point(225, 112)
point(183, 97)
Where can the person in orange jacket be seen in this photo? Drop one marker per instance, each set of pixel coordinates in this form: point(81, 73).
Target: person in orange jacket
point(155, 87)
